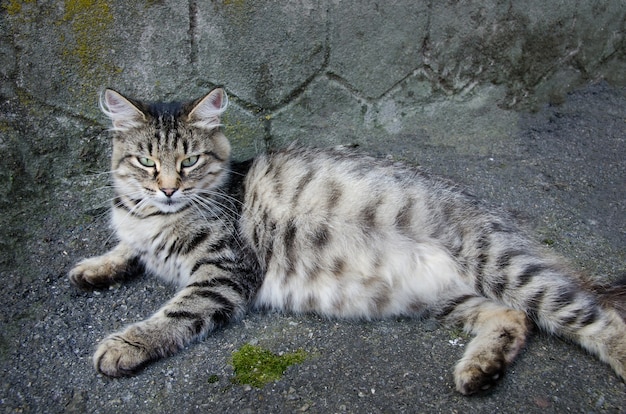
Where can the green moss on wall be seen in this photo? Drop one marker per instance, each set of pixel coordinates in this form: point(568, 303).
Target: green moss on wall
point(22, 12)
point(14, 7)
point(257, 366)
point(90, 21)
point(86, 33)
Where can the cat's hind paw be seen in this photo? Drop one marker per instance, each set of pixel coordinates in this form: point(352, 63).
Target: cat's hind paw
point(473, 377)
point(117, 356)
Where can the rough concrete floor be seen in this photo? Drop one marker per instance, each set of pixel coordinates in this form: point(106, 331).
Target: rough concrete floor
point(565, 176)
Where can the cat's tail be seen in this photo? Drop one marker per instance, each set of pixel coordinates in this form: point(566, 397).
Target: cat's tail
point(594, 317)
point(612, 339)
point(559, 301)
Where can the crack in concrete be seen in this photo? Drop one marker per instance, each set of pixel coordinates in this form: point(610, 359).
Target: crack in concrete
point(193, 32)
point(266, 114)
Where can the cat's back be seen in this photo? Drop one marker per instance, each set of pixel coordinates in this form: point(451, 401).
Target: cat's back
point(335, 182)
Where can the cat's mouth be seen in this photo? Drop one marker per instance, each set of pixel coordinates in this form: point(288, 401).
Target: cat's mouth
point(170, 205)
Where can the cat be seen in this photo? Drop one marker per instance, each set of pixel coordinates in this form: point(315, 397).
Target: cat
point(329, 231)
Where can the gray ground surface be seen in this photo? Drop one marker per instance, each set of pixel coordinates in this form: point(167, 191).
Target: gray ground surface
point(563, 172)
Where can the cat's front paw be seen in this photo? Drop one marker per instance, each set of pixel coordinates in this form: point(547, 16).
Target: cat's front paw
point(116, 356)
point(98, 272)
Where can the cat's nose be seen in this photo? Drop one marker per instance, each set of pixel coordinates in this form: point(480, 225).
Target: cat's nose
point(168, 191)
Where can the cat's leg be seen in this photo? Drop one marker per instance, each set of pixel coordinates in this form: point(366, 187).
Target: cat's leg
point(558, 300)
point(500, 333)
point(103, 271)
point(511, 270)
point(196, 310)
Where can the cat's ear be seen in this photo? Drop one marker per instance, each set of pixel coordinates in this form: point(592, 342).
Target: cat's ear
point(206, 111)
point(123, 113)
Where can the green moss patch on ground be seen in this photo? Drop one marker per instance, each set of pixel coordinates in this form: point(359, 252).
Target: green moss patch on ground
point(257, 366)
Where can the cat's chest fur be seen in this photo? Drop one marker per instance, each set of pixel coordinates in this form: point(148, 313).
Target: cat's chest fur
point(156, 239)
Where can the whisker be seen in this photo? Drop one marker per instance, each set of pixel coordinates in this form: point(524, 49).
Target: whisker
point(102, 215)
point(107, 203)
point(104, 187)
point(235, 202)
point(230, 171)
point(211, 205)
point(199, 210)
point(202, 205)
point(219, 194)
point(139, 205)
point(99, 173)
point(223, 206)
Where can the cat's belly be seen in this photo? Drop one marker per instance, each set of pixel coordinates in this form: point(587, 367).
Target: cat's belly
point(403, 279)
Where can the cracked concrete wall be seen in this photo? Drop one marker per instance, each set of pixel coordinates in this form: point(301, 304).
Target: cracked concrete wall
point(322, 72)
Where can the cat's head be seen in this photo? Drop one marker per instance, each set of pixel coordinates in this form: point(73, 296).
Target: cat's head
point(164, 155)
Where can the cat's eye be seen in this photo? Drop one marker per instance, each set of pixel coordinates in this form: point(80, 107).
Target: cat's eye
point(188, 162)
point(146, 162)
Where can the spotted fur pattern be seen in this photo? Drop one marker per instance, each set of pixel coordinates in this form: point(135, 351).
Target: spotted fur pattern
point(325, 231)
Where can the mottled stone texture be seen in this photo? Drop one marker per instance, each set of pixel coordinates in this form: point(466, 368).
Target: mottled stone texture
point(321, 72)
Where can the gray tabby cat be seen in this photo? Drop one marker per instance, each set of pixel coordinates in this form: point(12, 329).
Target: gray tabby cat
point(326, 231)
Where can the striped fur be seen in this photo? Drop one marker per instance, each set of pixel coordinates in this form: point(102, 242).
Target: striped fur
point(326, 231)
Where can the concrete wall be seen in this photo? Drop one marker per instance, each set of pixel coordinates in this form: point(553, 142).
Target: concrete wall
point(322, 72)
